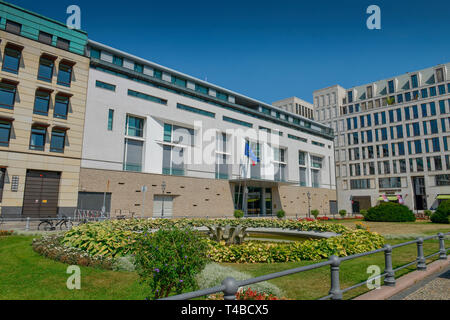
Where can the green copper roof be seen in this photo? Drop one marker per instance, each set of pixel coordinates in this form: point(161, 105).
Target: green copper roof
point(32, 23)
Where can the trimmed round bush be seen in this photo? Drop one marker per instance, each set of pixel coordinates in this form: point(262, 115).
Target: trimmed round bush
point(315, 213)
point(238, 214)
point(363, 212)
point(342, 213)
point(281, 214)
point(442, 213)
point(390, 212)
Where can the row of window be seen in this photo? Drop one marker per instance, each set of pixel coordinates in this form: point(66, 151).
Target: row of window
point(430, 127)
point(396, 115)
point(11, 63)
point(42, 101)
point(37, 137)
point(396, 166)
point(44, 37)
point(397, 149)
point(275, 114)
point(400, 98)
point(394, 182)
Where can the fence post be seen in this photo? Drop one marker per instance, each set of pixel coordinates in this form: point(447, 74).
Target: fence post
point(389, 280)
point(335, 291)
point(27, 227)
point(231, 289)
point(421, 262)
point(442, 251)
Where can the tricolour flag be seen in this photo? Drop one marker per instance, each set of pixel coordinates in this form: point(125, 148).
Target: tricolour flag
point(249, 153)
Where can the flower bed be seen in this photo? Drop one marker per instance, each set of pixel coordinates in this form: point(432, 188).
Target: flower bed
point(5, 233)
point(52, 248)
point(118, 238)
point(247, 294)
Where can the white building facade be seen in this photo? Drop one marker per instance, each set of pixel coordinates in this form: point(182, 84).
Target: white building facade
point(391, 139)
point(154, 138)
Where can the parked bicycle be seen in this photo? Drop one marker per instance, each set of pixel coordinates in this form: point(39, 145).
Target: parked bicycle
point(49, 225)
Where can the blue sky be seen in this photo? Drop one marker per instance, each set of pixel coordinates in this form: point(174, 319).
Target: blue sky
point(269, 50)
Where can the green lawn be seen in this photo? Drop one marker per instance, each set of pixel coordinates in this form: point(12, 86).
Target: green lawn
point(26, 275)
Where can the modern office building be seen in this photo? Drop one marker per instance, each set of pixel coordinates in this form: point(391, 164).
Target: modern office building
point(158, 142)
point(391, 139)
point(43, 83)
point(297, 106)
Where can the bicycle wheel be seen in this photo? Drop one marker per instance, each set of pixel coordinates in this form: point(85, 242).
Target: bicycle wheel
point(45, 226)
point(66, 225)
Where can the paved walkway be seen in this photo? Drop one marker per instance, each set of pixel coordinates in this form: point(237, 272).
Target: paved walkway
point(435, 287)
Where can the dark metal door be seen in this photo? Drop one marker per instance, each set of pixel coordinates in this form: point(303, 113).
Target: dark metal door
point(41, 194)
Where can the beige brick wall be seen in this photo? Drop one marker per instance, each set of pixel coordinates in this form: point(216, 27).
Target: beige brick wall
point(18, 157)
point(192, 196)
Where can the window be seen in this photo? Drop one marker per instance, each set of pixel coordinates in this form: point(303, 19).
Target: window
point(369, 92)
point(350, 96)
point(201, 89)
point(37, 140)
point(432, 91)
point(414, 81)
point(302, 158)
point(441, 89)
point(63, 43)
point(443, 180)
point(399, 98)
point(442, 107)
point(7, 95)
point(424, 110)
point(239, 122)
point(11, 60)
point(416, 129)
point(46, 38)
point(157, 74)
point(58, 141)
point(104, 85)
point(110, 119)
point(146, 97)
point(179, 82)
point(315, 178)
point(41, 102)
point(134, 127)
point(2, 181)
point(432, 108)
point(61, 107)
point(316, 162)
point(133, 155)
point(437, 163)
point(360, 184)
point(424, 93)
point(64, 75)
point(303, 177)
point(440, 75)
point(415, 112)
point(436, 146)
point(401, 149)
point(434, 126)
point(45, 72)
point(418, 146)
point(138, 68)
point(118, 61)
point(195, 110)
point(173, 161)
point(13, 27)
point(388, 183)
point(408, 96)
point(407, 114)
point(222, 96)
point(5, 133)
point(95, 54)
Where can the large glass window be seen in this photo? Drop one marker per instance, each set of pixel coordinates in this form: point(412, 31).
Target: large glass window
point(110, 119)
point(302, 158)
point(315, 178)
point(45, 72)
point(5, 133)
point(58, 141)
point(432, 108)
point(64, 75)
point(11, 60)
point(61, 107)
point(316, 162)
point(41, 102)
point(7, 95)
point(134, 127)
point(414, 81)
point(387, 183)
point(37, 140)
point(133, 155)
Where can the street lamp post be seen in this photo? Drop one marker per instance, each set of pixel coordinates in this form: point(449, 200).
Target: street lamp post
point(309, 204)
point(163, 188)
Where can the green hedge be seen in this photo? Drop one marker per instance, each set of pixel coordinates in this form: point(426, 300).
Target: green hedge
point(390, 212)
point(442, 214)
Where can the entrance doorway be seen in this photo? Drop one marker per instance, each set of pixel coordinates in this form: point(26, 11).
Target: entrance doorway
point(41, 194)
point(162, 206)
point(257, 201)
point(420, 197)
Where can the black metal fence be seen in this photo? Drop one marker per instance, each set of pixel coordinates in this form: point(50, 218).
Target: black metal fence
point(230, 286)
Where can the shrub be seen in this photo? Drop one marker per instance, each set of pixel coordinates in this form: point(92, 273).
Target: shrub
point(363, 212)
point(238, 214)
point(343, 213)
point(214, 274)
point(124, 263)
point(169, 259)
point(390, 212)
point(428, 213)
point(442, 213)
point(315, 213)
point(4, 233)
point(281, 214)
